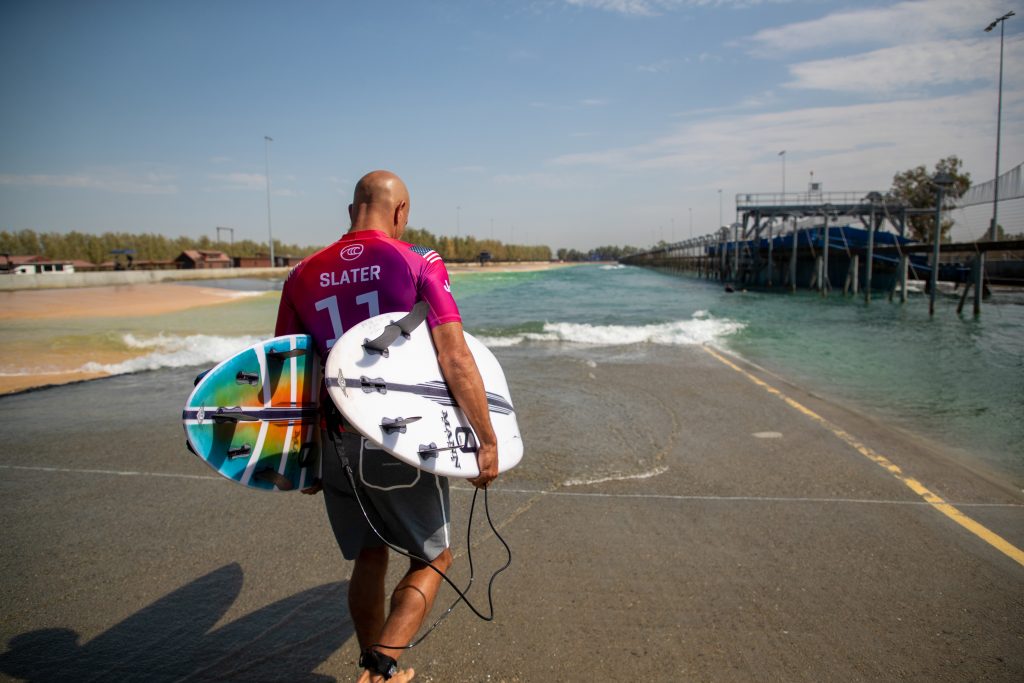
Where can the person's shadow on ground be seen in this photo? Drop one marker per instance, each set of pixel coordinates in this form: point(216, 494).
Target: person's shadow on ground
point(174, 640)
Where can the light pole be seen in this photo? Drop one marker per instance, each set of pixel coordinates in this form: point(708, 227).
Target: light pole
point(999, 123)
point(942, 181)
point(270, 233)
point(783, 155)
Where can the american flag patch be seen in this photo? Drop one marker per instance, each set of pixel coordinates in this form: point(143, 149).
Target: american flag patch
point(429, 254)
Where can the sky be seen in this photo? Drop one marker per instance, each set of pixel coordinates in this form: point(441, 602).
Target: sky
point(571, 123)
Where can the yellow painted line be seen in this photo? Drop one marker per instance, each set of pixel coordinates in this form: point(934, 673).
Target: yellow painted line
point(936, 501)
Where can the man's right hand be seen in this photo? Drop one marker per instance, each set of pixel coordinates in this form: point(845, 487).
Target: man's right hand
point(487, 461)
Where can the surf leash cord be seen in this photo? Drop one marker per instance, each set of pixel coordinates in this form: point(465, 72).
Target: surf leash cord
point(469, 554)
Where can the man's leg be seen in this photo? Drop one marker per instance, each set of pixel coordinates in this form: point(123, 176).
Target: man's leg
point(411, 602)
point(366, 594)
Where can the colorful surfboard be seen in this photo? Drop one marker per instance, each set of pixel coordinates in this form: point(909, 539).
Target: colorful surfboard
point(254, 417)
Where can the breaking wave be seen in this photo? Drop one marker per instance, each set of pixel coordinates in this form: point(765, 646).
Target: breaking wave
point(171, 351)
point(701, 329)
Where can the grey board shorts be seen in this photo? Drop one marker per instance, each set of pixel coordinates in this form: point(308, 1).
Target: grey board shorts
point(408, 506)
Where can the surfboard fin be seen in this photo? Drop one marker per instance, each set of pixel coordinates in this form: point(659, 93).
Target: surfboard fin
point(398, 424)
point(243, 450)
point(371, 385)
point(401, 327)
point(431, 450)
point(200, 376)
point(243, 377)
point(282, 355)
point(307, 455)
point(233, 415)
point(274, 478)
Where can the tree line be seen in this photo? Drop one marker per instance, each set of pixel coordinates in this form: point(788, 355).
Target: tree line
point(149, 247)
point(454, 249)
point(605, 253)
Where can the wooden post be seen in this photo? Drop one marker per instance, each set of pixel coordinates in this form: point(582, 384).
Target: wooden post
point(963, 296)
point(792, 257)
point(933, 279)
point(771, 263)
point(823, 279)
point(735, 251)
point(850, 285)
point(979, 281)
point(871, 256)
point(904, 265)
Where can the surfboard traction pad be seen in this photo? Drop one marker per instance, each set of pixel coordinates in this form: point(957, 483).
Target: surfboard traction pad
point(254, 417)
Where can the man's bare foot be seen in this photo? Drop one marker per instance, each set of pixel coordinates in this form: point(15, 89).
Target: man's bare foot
point(402, 676)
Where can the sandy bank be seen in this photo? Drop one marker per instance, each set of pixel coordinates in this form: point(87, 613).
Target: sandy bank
point(121, 301)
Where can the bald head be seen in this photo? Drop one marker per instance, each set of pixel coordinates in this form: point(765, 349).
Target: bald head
point(380, 202)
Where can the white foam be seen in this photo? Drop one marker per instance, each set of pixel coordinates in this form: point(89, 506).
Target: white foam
point(618, 477)
point(171, 351)
point(617, 266)
point(701, 329)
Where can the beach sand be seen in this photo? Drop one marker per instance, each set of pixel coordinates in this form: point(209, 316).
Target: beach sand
point(90, 303)
point(121, 301)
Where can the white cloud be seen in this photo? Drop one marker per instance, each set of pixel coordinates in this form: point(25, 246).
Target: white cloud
point(650, 8)
point(902, 23)
point(856, 147)
point(655, 67)
point(240, 181)
point(543, 180)
point(906, 67)
point(121, 181)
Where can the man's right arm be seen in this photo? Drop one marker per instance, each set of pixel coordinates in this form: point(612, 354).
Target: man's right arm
point(288, 321)
point(463, 377)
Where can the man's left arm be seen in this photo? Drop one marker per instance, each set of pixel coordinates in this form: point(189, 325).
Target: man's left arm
point(463, 377)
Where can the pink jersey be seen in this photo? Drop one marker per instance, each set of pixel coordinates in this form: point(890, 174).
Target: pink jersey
point(363, 274)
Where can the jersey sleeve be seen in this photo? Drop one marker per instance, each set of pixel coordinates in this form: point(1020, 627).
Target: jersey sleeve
point(435, 288)
point(288, 320)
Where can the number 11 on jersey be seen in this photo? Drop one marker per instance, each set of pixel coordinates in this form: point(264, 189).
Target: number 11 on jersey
point(370, 299)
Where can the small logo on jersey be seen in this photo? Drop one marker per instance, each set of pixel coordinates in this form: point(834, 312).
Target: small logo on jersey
point(429, 254)
point(447, 287)
point(352, 252)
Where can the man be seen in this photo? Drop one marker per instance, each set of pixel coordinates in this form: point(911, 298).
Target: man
point(365, 273)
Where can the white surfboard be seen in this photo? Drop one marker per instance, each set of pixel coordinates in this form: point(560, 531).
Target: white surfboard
point(398, 399)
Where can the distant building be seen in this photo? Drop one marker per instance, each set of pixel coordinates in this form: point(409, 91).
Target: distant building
point(263, 261)
point(31, 264)
point(202, 258)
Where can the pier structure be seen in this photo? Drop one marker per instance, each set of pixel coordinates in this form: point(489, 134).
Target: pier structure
point(826, 241)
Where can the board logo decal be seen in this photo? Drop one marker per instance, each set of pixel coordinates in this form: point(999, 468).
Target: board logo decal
point(352, 252)
point(451, 443)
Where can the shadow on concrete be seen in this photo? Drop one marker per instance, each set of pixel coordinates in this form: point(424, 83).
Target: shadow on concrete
point(174, 639)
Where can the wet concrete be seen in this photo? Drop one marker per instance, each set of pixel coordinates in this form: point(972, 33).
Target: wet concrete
point(727, 536)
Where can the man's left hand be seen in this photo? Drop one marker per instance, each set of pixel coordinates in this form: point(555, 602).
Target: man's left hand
point(487, 461)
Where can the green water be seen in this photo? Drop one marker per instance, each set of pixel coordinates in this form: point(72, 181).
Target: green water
point(958, 380)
